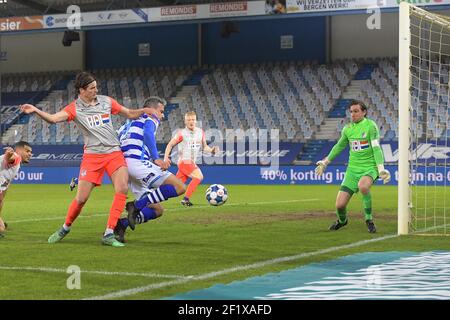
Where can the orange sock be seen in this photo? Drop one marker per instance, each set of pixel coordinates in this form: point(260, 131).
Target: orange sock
point(117, 207)
point(74, 211)
point(192, 186)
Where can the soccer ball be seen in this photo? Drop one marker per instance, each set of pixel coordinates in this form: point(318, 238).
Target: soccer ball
point(216, 195)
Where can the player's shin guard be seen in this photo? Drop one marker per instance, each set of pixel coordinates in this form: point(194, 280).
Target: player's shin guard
point(192, 186)
point(117, 207)
point(367, 204)
point(342, 214)
point(73, 212)
point(155, 196)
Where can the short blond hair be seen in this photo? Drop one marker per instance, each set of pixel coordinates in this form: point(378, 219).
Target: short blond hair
point(190, 113)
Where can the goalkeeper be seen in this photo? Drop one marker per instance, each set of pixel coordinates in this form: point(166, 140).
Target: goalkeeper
point(365, 164)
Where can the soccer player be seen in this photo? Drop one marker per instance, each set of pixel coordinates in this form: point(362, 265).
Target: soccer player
point(9, 166)
point(365, 164)
point(149, 180)
point(92, 114)
point(191, 140)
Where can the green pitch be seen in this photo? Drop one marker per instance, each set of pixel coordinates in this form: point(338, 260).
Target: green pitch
point(187, 248)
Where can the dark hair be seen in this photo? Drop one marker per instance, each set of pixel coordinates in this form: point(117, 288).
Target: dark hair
point(22, 144)
point(153, 101)
point(82, 80)
point(359, 103)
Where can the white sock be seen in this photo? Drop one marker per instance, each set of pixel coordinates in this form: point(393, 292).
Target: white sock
point(108, 231)
point(66, 227)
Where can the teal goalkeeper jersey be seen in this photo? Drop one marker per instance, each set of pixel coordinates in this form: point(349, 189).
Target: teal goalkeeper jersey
point(363, 139)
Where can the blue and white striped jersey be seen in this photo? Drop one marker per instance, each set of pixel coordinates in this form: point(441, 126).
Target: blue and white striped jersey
point(138, 138)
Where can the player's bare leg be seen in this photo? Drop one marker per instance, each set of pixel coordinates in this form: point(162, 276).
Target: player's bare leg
point(342, 200)
point(197, 177)
point(364, 185)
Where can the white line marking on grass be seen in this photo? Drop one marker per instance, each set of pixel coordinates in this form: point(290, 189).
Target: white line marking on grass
point(57, 218)
point(133, 291)
point(106, 273)
point(172, 209)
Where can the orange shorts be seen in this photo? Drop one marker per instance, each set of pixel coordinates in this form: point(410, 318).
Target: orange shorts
point(186, 167)
point(93, 166)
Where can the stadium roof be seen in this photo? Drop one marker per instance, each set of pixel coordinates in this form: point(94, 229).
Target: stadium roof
point(20, 8)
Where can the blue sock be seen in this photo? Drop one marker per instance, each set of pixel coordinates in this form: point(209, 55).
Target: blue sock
point(124, 222)
point(155, 196)
point(145, 215)
point(168, 191)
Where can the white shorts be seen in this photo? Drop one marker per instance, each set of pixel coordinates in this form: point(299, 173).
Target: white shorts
point(145, 175)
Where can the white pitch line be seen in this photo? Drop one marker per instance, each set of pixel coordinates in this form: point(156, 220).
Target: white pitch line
point(173, 209)
point(133, 291)
point(107, 273)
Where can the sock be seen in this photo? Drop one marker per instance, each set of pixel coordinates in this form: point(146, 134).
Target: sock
point(118, 205)
point(124, 222)
point(66, 227)
point(73, 212)
point(367, 204)
point(186, 198)
point(342, 215)
point(157, 195)
point(145, 215)
point(192, 186)
point(108, 231)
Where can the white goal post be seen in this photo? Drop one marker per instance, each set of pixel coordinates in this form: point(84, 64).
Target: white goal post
point(424, 108)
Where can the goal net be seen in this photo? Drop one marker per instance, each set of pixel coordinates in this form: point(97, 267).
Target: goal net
point(424, 123)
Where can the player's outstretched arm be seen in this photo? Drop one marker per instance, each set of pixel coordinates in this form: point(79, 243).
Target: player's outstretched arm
point(50, 118)
point(135, 113)
point(335, 151)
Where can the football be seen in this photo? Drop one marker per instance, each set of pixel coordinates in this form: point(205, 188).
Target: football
point(216, 195)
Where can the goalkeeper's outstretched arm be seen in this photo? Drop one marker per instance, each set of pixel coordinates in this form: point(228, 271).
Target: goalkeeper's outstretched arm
point(335, 151)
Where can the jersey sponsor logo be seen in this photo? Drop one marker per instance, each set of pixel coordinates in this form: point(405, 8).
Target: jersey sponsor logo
point(357, 145)
point(98, 120)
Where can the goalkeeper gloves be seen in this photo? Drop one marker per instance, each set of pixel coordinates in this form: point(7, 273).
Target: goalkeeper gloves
point(321, 166)
point(384, 174)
